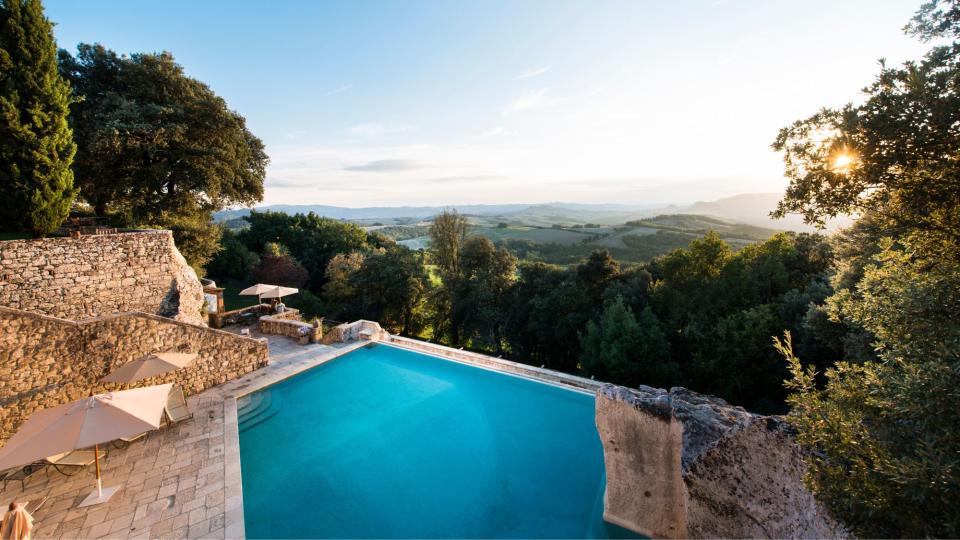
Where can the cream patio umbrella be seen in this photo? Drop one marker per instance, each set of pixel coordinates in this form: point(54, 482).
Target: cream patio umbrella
point(257, 290)
point(280, 292)
point(148, 366)
point(87, 422)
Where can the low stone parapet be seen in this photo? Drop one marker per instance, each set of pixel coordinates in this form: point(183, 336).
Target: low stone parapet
point(219, 320)
point(288, 324)
point(46, 361)
point(361, 329)
point(680, 464)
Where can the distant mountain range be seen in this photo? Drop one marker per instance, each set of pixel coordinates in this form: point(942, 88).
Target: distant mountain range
point(752, 209)
point(421, 212)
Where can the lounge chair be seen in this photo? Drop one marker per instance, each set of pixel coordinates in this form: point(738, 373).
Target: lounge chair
point(19, 474)
point(67, 463)
point(176, 407)
point(123, 442)
point(70, 463)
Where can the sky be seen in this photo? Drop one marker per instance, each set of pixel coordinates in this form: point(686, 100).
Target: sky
point(398, 103)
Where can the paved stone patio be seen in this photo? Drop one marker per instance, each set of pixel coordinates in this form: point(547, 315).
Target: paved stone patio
point(182, 481)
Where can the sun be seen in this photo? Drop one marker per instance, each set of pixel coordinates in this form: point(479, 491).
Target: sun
point(843, 161)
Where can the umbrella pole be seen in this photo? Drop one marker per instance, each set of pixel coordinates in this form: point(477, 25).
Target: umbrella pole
point(96, 459)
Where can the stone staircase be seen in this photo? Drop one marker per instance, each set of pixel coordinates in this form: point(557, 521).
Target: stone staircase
point(257, 407)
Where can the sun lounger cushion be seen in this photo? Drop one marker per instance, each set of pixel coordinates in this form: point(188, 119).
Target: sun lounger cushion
point(176, 408)
point(79, 458)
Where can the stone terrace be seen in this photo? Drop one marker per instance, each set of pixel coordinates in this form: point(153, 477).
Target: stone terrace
point(181, 482)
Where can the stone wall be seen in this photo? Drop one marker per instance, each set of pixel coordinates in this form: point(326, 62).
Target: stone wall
point(90, 276)
point(680, 464)
point(345, 332)
point(289, 324)
point(219, 320)
point(45, 361)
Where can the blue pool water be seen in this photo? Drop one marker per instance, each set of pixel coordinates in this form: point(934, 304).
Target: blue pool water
point(388, 443)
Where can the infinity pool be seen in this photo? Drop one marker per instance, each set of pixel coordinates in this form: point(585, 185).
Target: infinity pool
point(388, 443)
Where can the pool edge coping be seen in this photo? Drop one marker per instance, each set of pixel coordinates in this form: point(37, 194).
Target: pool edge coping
point(542, 375)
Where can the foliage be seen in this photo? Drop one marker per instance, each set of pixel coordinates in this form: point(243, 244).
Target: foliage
point(157, 147)
point(279, 268)
point(549, 305)
point(887, 458)
point(276, 249)
point(233, 260)
point(742, 366)
point(309, 304)
point(700, 225)
point(447, 236)
point(479, 293)
point(312, 240)
point(341, 267)
point(403, 232)
point(882, 427)
point(637, 241)
point(544, 315)
point(934, 19)
point(896, 155)
point(719, 309)
point(627, 349)
point(448, 233)
point(595, 273)
point(645, 247)
point(197, 239)
point(390, 287)
point(36, 143)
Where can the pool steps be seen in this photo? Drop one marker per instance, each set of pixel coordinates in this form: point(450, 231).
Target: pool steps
point(257, 407)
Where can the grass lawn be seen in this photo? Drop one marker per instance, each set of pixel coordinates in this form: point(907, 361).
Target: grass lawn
point(535, 234)
point(231, 295)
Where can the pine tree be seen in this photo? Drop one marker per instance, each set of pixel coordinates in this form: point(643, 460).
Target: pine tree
point(627, 349)
point(36, 143)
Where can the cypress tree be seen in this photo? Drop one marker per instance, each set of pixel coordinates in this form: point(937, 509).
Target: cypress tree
point(36, 143)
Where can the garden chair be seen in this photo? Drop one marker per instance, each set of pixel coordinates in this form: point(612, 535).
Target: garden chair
point(124, 442)
point(70, 463)
point(19, 474)
point(176, 408)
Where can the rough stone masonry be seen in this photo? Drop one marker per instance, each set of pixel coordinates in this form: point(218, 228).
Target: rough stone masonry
point(90, 276)
point(684, 465)
point(74, 309)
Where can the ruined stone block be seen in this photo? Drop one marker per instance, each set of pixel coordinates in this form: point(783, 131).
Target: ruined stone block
point(681, 464)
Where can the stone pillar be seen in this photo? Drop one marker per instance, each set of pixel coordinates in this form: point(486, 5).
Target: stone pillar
point(645, 445)
point(681, 464)
point(316, 335)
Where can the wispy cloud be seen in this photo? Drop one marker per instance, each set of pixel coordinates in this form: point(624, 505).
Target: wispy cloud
point(532, 73)
point(338, 90)
point(467, 178)
point(375, 129)
point(286, 183)
point(491, 133)
point(531, 99)
point(386, 165)
point(295, 134)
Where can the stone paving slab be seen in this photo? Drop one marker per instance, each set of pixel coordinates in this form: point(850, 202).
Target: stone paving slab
point(182, 481)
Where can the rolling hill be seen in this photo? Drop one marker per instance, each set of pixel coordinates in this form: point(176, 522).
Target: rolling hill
point(564, 233)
